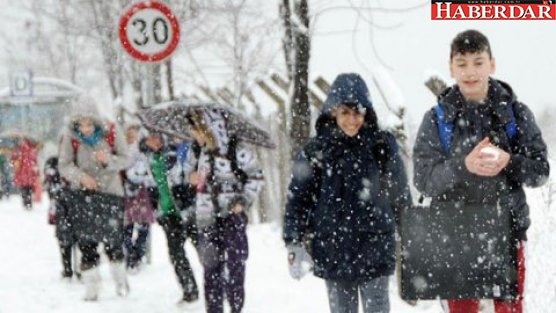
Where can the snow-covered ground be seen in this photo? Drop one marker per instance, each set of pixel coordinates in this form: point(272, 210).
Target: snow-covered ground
point(30, 273)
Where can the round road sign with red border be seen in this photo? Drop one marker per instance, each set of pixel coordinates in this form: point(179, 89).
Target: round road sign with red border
point(149, 31)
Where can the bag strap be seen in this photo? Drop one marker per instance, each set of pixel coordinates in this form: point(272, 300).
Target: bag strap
point(75, 147)
point(511, 126)
point(110, 137)
point(446, 129)
point(232, 156)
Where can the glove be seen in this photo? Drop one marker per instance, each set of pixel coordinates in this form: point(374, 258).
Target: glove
point(52, 218)
point(52, 215)
point(299, 261)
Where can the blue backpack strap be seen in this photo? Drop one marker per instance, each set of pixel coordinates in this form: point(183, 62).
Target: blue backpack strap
point(181, 152)
point(511, 127)
point(445, 129)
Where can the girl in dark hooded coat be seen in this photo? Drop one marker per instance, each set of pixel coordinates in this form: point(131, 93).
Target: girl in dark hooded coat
point(348, 186)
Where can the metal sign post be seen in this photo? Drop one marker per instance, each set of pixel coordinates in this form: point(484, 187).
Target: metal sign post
point(148, 84)
point(149, 32)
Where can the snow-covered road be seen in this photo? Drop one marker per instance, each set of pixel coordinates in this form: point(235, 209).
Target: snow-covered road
point(30, 274)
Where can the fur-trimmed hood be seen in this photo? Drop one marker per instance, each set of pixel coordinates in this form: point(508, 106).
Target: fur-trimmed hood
point(85, 106)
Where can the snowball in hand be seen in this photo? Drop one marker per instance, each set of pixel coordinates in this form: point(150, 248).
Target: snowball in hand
point(493, 152)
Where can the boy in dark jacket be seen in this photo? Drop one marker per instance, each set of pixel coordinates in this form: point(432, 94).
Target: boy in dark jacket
point(161, 161)
point(481, 164)
point(348, 187)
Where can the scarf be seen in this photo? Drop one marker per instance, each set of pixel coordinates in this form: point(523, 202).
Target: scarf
point(91, 140)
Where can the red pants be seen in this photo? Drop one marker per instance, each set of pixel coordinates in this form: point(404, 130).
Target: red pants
point(500, 306)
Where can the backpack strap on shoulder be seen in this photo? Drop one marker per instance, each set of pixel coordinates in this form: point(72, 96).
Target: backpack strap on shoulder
point(75, 147)
point(232, 156)
point(511, 126)
point(445, 129)
point(110, 136)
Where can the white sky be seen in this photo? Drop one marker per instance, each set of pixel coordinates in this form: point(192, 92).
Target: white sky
point(525, 50)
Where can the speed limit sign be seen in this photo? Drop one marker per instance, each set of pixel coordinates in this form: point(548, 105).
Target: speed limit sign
point(149, 31)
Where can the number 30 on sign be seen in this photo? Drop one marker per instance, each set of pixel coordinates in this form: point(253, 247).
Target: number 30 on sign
point(149, 31)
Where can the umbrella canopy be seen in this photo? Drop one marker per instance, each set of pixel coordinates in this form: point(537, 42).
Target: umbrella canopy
point(175, 119)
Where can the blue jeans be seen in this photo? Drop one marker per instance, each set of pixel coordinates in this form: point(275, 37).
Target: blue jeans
point(343, 296)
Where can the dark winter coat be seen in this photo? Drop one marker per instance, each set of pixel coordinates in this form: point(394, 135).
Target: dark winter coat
point(347, 192)
point(444, 177)
point(160, 164)
point(52, 179)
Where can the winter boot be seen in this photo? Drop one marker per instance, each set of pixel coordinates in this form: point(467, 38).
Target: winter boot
point(190, 296)
point(67, 273)
point(26, 194)
point(118, 271)
point(187, 282)
point(91, 279)
point(189, 301)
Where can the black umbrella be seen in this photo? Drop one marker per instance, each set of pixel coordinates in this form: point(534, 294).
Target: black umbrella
point(175, 119)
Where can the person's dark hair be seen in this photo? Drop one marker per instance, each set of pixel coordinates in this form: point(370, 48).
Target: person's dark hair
point(470, 41)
